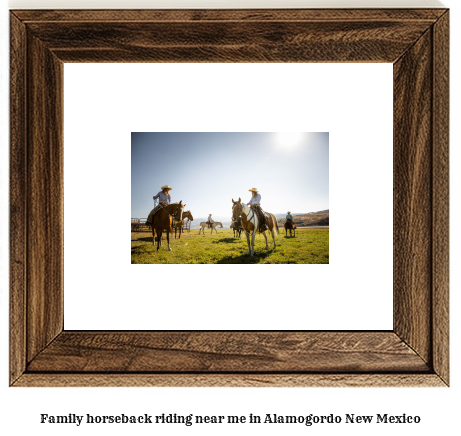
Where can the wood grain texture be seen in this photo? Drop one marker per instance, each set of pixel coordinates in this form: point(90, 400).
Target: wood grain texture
point(18, 192)
point(414, 354)
point(241, 41)
point(235, 352)
point(45, 220)
point(230, 380)
point(440, 205)
point(413, 196)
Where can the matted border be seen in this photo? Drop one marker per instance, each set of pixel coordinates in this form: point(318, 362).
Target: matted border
point(415, 353)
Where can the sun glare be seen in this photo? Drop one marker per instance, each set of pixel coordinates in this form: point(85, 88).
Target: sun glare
point(289, 139)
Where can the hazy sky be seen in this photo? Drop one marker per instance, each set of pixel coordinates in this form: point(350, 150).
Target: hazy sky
point(207, 170)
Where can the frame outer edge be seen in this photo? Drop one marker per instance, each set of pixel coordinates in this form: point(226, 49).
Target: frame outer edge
point(440, 189)
point(18, 194)
point(18, 233)
point(229, 380)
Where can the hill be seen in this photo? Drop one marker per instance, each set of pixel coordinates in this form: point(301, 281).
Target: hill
point(321, 218)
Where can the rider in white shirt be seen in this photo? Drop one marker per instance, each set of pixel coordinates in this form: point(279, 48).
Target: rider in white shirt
point(255, 202)
point(209, 220)
point(255, 198)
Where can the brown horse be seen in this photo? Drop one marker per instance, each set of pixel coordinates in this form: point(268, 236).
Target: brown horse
point(237, 227)
point(163, 219)
point(250, 224)
point(178, 225)
point(290, 225)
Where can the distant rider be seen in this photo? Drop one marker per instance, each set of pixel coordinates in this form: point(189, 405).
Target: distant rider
point(209, 221)
point(289, 218)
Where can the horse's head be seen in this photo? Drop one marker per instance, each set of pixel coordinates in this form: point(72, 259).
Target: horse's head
point(179, 210)
point(237, 209)
point(189, 215)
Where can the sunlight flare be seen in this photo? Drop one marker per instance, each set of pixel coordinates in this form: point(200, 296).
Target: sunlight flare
point(289, 139)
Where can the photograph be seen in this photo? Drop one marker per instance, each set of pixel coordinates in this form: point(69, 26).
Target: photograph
point(230, 198)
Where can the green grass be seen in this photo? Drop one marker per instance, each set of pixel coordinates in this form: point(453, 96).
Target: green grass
point(309, 246)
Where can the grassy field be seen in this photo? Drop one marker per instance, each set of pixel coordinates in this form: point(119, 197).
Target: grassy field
point(309, 246)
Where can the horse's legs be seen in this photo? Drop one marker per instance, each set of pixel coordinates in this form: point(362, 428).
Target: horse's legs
point(248, 242)
point(168, 240)
point(265, 237)
point(253, 235)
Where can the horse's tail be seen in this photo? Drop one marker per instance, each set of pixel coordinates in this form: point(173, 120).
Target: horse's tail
point(276, 226)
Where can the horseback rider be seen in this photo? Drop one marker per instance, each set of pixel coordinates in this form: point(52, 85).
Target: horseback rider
point(289, 218)
point(164, 199)
point(209, 221)
point(255, 203)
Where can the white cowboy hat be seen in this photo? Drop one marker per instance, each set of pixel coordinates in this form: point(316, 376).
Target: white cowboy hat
point(166, 187)
point(253, 190)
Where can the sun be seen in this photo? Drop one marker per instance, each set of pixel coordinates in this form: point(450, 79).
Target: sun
point(289, 139)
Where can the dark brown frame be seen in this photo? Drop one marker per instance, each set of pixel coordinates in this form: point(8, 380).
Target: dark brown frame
point(414, 353)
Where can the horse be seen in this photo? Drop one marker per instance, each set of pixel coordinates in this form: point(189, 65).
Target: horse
point(237, 227)
point(290, 225)
point(178, 225)
point(162, 220)
point(204, 225)
point(250, 224)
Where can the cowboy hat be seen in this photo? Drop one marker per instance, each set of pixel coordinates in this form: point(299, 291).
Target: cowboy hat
point(253, 190)
point(288, 212)
point(166, 187)
point(210, 214)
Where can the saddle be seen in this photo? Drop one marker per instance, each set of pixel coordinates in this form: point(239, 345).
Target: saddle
point(262, 218)
point(154, 211)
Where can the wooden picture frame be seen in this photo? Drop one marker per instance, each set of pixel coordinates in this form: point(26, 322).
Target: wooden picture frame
point(414, 353)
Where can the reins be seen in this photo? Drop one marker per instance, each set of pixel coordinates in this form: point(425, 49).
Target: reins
point(175, 214)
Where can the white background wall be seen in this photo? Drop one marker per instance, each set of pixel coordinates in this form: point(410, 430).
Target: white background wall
point(20, 408)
